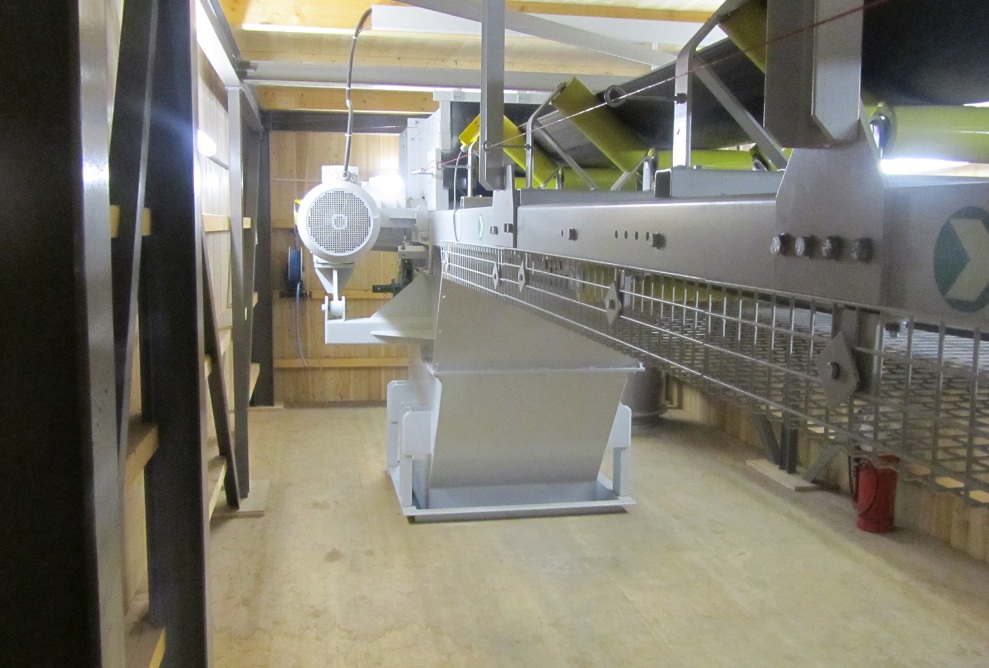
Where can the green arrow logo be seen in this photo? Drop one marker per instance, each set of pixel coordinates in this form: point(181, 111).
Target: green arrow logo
point(961, 260)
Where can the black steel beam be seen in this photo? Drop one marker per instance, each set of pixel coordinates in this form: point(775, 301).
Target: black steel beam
point(242, 296)
point(262, 343)
point(61, 601)
point(128, 167)
point(253, 113)
point(320, 121)
point(174, 478)
point(218, 390)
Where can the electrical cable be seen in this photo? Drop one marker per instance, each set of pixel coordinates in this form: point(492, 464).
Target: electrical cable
point(350, 81)
point(456, 200)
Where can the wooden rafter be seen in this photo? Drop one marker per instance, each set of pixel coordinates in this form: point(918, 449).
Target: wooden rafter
point(344, 15)
point(332, 99)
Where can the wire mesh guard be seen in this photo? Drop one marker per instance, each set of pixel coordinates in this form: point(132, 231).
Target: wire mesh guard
point(924, 390)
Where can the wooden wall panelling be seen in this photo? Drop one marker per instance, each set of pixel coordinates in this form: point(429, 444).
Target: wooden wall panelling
point(318, 386)
point(296, 165)
point(214, 181)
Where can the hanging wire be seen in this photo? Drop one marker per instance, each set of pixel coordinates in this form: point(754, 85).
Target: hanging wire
point(350, 80)
point(456, 200)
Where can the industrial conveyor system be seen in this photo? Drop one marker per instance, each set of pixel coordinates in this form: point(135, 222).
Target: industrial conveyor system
point(791, 275)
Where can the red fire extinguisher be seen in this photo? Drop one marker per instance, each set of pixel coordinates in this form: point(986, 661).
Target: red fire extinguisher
point(874, 493)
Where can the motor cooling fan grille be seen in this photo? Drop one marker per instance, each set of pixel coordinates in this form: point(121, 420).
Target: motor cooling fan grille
point(340, 222)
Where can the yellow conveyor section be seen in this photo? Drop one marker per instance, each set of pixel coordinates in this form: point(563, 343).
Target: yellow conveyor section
point(601, 126)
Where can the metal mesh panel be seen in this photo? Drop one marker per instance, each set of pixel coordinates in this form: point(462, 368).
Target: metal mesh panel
point(924, 394)
point(339, 221)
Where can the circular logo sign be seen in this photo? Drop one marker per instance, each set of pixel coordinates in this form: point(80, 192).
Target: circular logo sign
point(961, 259)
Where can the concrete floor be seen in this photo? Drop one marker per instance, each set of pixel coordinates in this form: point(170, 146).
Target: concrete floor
point(715, 566)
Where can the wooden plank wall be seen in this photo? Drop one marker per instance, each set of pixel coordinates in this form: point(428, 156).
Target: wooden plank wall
point(329, 373)
point(939, 514)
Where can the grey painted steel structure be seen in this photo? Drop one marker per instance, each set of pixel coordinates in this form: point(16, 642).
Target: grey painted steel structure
point(492, 155)
point(813, 76)
point(728, 239)
point(177, 511)
point(691, 282)
point(925, 392)
point(60, 546)
point(262, 334)
point(218, 391)
point(256, 205)
point(242, 287)
point(128, 170)
point(63, 447)
point(249, 196)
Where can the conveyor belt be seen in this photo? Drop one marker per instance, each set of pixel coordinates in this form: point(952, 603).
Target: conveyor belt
point(914, 52)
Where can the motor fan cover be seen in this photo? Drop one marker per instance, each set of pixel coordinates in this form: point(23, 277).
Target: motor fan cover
point(338, 222)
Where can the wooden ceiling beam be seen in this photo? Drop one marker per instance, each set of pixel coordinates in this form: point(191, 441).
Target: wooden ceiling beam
point(344, 15)
point(332, 99)
point(608, 11)
point(422, 51)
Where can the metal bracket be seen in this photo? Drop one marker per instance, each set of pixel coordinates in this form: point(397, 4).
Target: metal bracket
point(837, 370)
point(613, 303)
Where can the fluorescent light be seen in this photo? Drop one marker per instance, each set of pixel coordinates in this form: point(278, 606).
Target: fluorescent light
point(918, 165)
point(205, 144)
point(309, 30)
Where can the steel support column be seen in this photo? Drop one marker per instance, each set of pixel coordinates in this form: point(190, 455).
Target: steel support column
point(251, 145)
point(262, 345)
point(492, 175)
point(242, 294)
point(175, 476)
point(128, 168)
point(61, 602)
